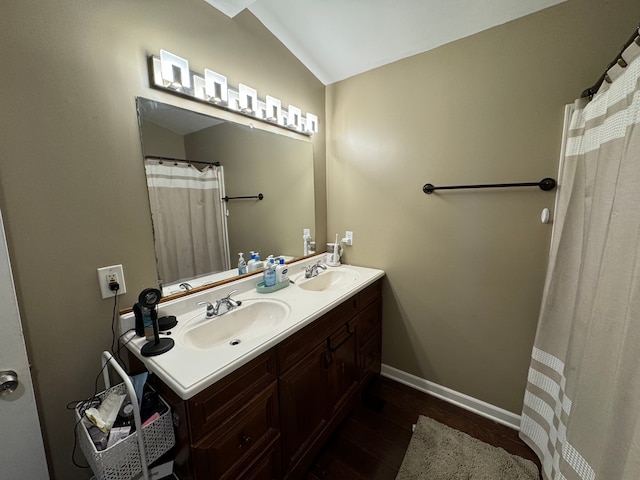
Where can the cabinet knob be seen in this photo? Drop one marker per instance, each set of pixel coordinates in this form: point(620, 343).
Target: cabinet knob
point(244, 441)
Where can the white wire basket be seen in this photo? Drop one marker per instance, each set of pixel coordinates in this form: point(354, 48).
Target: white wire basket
point(131, 456)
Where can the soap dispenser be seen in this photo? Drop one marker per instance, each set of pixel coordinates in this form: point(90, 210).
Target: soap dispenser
point(251, 264)
point(242, 265)
point(259, 263)
point(269, 274)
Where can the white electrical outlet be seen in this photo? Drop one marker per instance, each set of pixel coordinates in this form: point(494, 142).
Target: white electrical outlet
point(348, 238)
point(106, 275)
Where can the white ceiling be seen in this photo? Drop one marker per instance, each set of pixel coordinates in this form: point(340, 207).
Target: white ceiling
point(337, 39)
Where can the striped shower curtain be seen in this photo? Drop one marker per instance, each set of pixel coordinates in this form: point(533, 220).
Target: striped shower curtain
point(582, 402)
point(189, 225)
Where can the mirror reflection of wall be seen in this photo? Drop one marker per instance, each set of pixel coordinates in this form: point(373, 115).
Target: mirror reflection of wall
point(254, 161)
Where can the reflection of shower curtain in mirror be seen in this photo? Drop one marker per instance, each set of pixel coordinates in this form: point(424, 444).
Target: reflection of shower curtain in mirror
point(189, 227)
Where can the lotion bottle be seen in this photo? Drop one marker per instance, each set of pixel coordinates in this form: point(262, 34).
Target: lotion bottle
point(282, 272)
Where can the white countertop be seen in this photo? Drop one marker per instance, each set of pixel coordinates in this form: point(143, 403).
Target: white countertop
point(188, 370)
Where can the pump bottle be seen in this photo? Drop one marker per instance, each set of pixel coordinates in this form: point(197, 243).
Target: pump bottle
point(282, 272)
point(242, 265)
point(269, 274)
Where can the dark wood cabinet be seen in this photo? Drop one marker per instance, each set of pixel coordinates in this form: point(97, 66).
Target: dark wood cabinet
point(370, 339)
point(303, 404)
point(268, 419)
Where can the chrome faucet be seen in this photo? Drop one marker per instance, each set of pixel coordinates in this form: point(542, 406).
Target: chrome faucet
point(213, 309)
point(312, 271)
point(187, 286)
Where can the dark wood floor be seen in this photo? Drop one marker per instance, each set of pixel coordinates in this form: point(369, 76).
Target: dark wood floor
point(370, 444)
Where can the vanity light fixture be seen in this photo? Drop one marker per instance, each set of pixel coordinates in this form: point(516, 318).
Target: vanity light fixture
point(234, 100)
point(294, 118)
point(273, 110)
point(248, 99)
point(199, 88)
point(175, 71)
point(171, 74)
point(216, 87)
point(311, 123)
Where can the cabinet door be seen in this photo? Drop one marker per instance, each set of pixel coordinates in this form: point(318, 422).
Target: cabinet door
point(370, 361)
point(343, 369)
point(234, 445)
point(303, 404)
point(267, 467)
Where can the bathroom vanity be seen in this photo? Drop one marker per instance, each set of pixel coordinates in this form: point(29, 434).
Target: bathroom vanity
point(268, 414)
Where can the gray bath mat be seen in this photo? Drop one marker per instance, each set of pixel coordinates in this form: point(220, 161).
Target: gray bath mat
point(438, 452)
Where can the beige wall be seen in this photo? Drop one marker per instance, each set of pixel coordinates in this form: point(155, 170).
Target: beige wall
point(161, 142)
point(72, 188)
point(465, 269)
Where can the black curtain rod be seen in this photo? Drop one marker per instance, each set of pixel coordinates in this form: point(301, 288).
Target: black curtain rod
point(259, 197)
point(182, 160)
point(591, 91)
point(544, 184)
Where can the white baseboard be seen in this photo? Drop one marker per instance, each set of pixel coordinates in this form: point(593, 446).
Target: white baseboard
point(484, 409)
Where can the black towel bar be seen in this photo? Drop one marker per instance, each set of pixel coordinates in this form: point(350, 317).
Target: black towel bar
point(259, 197)
point(544, 184)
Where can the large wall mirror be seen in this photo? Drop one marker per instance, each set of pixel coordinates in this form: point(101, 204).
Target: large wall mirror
point(181, 149)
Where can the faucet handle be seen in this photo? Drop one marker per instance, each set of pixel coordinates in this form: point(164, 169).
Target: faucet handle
point(210, 308)
point(229, 300)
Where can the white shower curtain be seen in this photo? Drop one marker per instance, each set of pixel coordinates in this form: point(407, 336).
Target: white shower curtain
point(582, 402)
point(189, 224)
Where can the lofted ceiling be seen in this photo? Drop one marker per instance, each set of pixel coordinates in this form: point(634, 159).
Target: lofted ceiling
point(337, 39)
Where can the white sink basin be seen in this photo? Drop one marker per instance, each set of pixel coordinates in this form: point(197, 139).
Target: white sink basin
point(251, 320)
point(331, 279)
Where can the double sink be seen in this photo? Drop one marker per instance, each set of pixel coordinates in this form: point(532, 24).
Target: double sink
point(207, 349)
point(257, 317)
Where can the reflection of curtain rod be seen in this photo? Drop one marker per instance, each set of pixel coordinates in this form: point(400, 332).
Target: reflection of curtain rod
point(183, 160)
point(259, 197)
point(591, 91)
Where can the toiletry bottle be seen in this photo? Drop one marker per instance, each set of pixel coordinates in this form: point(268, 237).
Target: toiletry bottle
point(306, 239)
point(259, 263)
point(242, 265)
point(251, 264)
point(269, 274)
point(282, 272)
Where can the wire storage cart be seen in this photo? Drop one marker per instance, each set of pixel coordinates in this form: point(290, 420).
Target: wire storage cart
point(131, 456)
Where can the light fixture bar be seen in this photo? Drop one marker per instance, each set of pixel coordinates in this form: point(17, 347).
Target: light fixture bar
point(171, 74)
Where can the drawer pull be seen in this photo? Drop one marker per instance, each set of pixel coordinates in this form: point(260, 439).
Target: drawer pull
point(328, 358)
point(350, 334)
point(244, 441)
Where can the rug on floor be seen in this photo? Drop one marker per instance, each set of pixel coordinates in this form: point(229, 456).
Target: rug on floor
point(438, 452)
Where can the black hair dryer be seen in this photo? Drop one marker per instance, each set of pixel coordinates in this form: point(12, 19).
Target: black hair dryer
point(146, 314)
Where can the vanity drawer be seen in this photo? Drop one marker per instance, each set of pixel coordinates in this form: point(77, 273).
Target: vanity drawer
point(369, 294)
point(214, 405)
point(227, 450)
point(297, 346)
point(371, 319)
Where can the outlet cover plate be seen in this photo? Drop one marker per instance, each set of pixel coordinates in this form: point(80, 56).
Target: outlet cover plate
point(103, 275)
